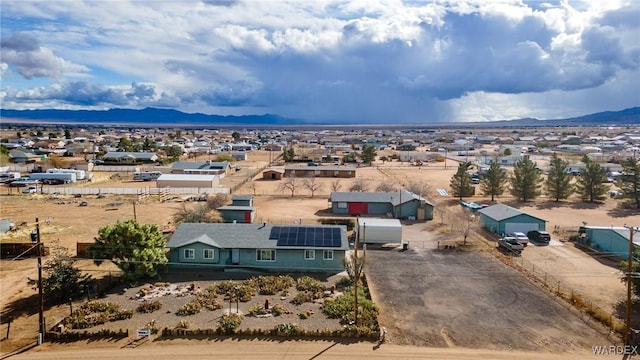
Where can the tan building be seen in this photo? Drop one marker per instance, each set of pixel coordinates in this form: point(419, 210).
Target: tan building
point(320, 171)
point(187, 181)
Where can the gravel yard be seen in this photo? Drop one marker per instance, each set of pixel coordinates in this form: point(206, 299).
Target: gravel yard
point(454, 298)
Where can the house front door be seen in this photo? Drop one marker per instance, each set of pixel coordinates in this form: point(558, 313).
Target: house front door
point(235, 256)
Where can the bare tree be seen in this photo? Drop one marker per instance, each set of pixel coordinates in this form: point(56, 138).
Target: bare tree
point(465, 223)
point(360, 185)
point(200, 213)
point(385, 186)
point(289, 184)
point(312, 184)
point(420, 188)
point(217, 200)
point(335, 185)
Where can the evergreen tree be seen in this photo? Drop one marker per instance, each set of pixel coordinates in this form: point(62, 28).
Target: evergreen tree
point(629, 181)
point(558, 182)
point(368, 153)
point(288, 154)
point(137, 249)
point(461, 181)
point(494, 180)
point(526, 180)
point(591, 184)
point(63, 281)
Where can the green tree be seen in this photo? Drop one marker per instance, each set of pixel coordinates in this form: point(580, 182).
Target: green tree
point(62, 281)
point(173, 151)
point(461, 181)
point(235, 135)
point(526, 180)
point(349, 158)
point(288, 154)
point(125, 144)
point(149, 144)
point(507, 152)
point(67, 134)
point(629, 181)
point(137, 249)
point(591, 184)
point(494, 180)
point(368, 153)
point(558, 182)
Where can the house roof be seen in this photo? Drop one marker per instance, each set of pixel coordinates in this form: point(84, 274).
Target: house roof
point(236, 207)
point(199, 165)
point(241, 197)
point(501, 212)
point(242, 236)
point(321, 168)
point(280, 171)
point(186, 177)
point(136, 155)
point(394, 198)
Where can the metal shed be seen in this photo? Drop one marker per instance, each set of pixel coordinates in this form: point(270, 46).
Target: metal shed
point(379, 231)
point(503, 219)
point(186, 181)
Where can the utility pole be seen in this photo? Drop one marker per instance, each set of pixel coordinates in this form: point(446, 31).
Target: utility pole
point(627, 334)
point(356, 273)
point(40, 294)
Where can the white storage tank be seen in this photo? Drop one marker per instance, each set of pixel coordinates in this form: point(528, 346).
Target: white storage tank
point(379, 231)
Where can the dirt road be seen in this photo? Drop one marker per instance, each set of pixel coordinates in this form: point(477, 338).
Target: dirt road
point(281, 350)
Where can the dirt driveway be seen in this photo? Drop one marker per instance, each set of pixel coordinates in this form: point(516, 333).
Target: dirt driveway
point(456, 298)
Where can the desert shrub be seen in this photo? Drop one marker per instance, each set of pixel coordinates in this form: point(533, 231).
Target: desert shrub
point(304, 315)
point(302, 297)
point(229, 323)
point(209, 299)
point(183, 324)
point(277, 310)
point(244, 290)
point(359, 331)
point(95, 313)
point(271, 285)
point(190, 308)
point(149, 306)
point(342, 308)
point(307, 283)
point(224, 287)
point(255, 310)
point(151, 325)
point(350, 224)
point(289, 329)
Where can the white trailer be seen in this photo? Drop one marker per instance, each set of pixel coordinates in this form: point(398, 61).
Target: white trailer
point(379, 231)
point(80, 174)
point(63, 177)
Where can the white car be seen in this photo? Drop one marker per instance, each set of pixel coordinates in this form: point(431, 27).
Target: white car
point(521, 237)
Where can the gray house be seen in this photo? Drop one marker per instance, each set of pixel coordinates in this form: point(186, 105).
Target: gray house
point(401, 204)
point(201, 167)
point(503, 219)
point(259, 246)
point(128, 157)
point(241, 210)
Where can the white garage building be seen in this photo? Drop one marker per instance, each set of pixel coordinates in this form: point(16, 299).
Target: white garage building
point(379, 231)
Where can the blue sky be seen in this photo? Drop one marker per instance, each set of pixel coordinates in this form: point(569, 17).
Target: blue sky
point(325, 61)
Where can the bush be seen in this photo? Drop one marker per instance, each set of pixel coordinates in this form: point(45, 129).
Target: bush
point(304, 315)
point(229, 323)
point(255, 310)
point(289, 329)
point(350, 224)
point(277, 310)
point(183, 324)
point(302, 297)
point(95, 313)
point(271, 285)
point(342, 308)
point(307, 283)
point(149, 306)
point(209, 299)
point(190, 308)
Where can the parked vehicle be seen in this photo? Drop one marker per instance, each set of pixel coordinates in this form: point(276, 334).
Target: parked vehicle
point(521, 237)
point(539, 236)
point(147, 176)
point(30, 190)
point(510, 243)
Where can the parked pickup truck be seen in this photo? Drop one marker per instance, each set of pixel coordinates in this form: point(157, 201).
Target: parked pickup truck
point(510, 243)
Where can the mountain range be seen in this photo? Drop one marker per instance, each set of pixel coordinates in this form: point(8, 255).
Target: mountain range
point(153, 117)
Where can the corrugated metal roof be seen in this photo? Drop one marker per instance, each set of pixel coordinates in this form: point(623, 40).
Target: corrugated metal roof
point(320, 168)
point(242, 236)
point(199, 165)
point(501, 212)
point(377, 197)
point(186, 177)
point(236, 207)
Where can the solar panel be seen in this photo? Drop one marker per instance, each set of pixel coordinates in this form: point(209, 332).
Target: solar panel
point(306, 236)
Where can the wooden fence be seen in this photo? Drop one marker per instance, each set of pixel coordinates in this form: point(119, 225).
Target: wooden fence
point(11, 250)
point(69, 190)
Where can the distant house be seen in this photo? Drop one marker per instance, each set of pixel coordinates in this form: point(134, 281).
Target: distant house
point(398, 204)
point(319, 248)
point(503, 219)
point(608, 239)
point(127, 157)
point(23, 156)
point(272, 174)
point(320, 171)
point(241, 210)
point(201, 167)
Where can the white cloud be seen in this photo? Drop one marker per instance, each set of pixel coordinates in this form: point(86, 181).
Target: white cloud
point(369, 60)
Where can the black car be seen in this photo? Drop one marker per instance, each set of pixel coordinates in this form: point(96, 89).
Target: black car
point(539, 236)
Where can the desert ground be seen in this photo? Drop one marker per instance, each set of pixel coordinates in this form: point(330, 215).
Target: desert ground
point(69, 223)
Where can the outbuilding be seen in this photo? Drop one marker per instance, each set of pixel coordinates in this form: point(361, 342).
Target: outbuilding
point(273, 174)
point(379, 231)
point(608, 239)
point(503, 219)
point(187, 181)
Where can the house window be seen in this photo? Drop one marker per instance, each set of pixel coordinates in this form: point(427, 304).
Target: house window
point(189, 254)
point(327, 254)
point(342, 205)
point(207, 254)
point(309, 254)
point(265, 255)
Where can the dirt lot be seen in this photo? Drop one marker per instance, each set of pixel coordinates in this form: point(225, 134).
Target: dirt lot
point(71, 223)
